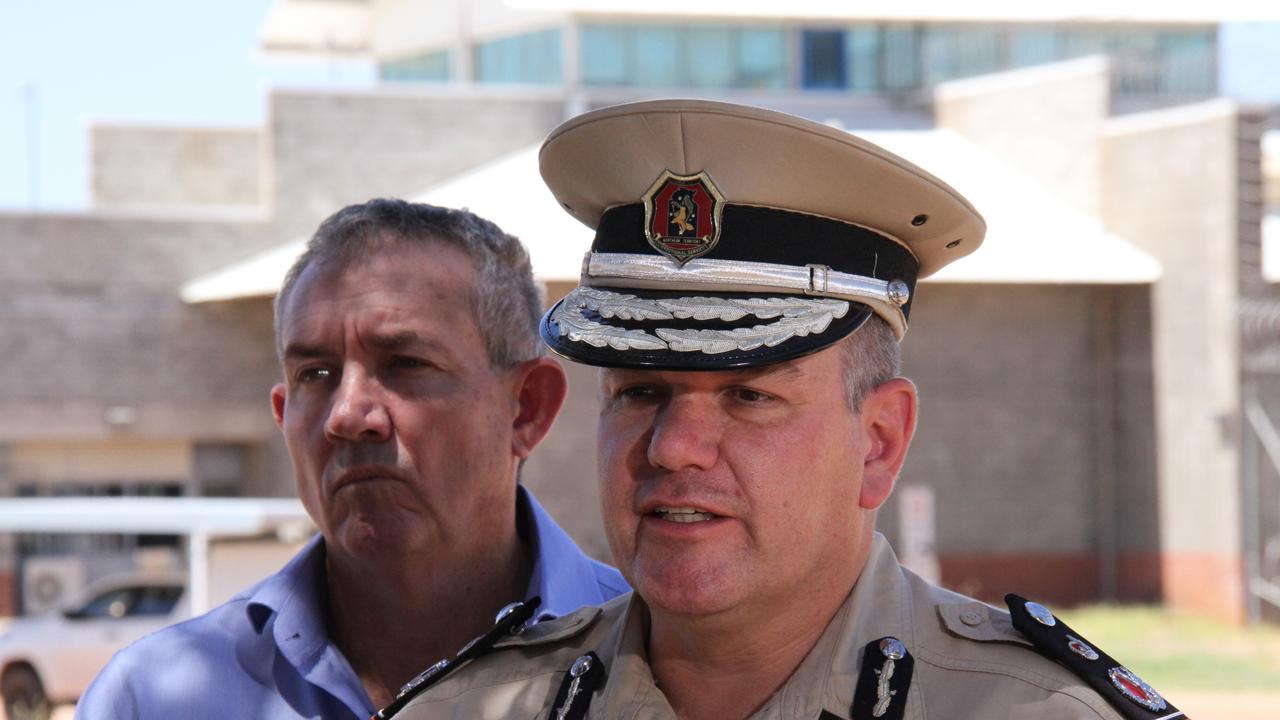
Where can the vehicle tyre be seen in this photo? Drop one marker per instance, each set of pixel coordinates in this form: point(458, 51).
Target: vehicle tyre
point(24, 697)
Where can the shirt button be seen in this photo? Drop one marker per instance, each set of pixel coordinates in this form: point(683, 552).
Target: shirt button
point(970, 618)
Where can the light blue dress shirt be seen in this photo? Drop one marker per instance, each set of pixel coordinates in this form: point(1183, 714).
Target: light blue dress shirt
point(265, 653)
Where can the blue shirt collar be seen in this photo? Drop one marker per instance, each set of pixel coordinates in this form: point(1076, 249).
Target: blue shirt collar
point(562, 576)
point(290, 604)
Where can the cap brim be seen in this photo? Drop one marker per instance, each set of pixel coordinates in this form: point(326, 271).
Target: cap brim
point(628, 328)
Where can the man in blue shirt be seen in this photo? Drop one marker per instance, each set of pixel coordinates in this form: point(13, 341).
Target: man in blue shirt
point(414, 387)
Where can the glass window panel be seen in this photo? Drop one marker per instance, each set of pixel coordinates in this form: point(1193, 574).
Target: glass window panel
point(543, 57)
point(938, 54)
point(113, 603)
point(862, 59)
point(901, 69)
point(674, 56)
point(604, 55)
point(1187, 63)
point(533, 59)
point(955, 52)
point(1032, 46)
point(711, 58)
point(1083, 41)
point(657, 57)
point(431, 67)
point(762, 58)
point(159, 600)
point(822, 53)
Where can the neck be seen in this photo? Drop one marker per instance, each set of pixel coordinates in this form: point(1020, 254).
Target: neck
point(727, 665)
point(393, 617)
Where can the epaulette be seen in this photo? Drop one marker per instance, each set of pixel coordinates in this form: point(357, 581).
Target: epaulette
point(1053, 638)
point(584, 677)
point(883, 683)
point(509, 621)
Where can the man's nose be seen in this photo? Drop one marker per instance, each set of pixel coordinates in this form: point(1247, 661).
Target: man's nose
point(686, 435)
point(359, 411)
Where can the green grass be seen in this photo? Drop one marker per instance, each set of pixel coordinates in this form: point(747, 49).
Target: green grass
point(1173, 651)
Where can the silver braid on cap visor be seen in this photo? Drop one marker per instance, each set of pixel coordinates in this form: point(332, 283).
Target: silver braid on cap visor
point(790, 316)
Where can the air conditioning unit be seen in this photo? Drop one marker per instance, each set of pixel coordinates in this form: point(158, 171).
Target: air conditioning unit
point(50, 582)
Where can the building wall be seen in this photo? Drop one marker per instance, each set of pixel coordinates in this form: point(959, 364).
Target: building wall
point(1018, 433)
point(1043, 121)
point(112, 384)
point(148, 167)
point(1169, 186)
point(330, 150)
point(92, 320)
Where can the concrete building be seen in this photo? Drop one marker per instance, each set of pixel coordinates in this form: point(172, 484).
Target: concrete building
point(1085, 389)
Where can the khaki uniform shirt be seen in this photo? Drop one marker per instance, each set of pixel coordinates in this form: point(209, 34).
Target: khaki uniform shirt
point(969, 662)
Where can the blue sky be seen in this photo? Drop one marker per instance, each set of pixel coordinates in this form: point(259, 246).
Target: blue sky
point(165, 62)
point(183, 62)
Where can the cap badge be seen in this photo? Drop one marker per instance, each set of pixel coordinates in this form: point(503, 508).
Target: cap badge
point(1132, 687)
point(682, 215)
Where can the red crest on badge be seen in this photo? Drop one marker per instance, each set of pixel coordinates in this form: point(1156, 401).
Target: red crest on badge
point(1134, 688)
point(682, 215)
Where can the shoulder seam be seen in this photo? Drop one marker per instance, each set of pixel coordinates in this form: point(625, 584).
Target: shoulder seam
point(1021, 673)
point(428, 697)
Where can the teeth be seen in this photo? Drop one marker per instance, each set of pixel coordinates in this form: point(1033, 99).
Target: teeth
point(683, 515)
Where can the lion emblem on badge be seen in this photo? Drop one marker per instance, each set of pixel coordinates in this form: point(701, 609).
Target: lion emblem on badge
point(682, 215)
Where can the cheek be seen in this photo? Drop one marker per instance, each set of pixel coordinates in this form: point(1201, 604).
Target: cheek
point(617, 467)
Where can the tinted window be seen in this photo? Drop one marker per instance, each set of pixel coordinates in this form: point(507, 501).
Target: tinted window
point(824, 62)
point(155, 600)
point(112, 603)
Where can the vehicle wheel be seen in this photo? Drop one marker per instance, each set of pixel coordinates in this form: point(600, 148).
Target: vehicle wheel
point(24, 697)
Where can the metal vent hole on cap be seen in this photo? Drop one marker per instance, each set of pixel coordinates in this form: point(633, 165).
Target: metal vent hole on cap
point(919, 220)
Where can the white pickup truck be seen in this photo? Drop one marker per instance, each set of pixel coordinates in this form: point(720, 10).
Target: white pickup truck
point(50, 659)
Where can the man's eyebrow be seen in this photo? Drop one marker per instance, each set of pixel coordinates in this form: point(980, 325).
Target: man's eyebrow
point(399, 340)
point(302, 351)
point(784, 370)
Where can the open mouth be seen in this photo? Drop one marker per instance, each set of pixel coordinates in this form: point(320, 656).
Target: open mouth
point(683, 514)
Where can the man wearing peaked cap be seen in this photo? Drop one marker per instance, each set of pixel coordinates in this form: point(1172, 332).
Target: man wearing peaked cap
point(750, 280)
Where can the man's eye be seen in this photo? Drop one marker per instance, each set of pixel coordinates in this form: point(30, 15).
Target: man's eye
point(748, 395)
point(636, 392)
point(403, 361)
point(313, 374)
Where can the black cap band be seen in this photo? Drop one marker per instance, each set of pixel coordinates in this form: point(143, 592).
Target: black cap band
point(769, 235)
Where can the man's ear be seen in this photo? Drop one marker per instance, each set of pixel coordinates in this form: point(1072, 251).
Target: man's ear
point(277, 404)
point(889, 420)
point(540, 387)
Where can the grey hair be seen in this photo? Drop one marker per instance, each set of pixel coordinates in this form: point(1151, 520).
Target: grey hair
point(871, 357)
point(506, 301)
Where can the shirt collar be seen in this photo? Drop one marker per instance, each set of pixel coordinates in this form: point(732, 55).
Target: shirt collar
point(291, 606)
point(563, 576)
point(296, 585)
point(879, 605)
